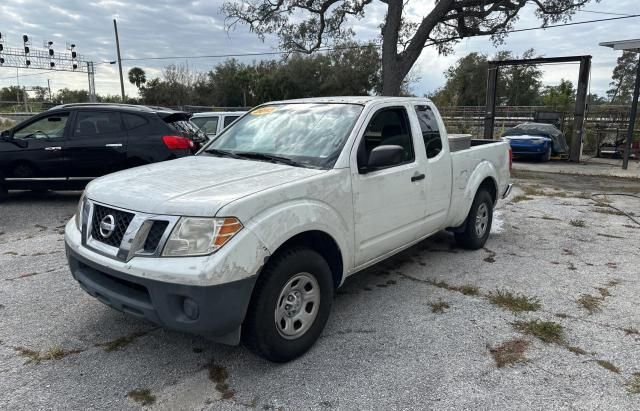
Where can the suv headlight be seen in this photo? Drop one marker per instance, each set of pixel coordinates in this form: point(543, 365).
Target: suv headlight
point(79, 212)
point(200, 236)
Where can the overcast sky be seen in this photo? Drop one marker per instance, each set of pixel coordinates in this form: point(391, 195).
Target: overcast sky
point(170, 28)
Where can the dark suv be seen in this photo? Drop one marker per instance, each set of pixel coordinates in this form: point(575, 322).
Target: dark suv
point(65, 147)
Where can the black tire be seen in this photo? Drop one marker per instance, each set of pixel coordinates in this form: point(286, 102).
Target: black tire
point(546, 156)
point(470, 238)
point(259, 331)
point(4, 193)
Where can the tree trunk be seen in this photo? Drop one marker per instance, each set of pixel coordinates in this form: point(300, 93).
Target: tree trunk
point(392, 77)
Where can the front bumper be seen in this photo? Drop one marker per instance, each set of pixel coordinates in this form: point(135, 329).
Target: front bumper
point(214, 311)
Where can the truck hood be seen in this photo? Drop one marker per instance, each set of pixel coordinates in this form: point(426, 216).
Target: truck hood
point(194, 186)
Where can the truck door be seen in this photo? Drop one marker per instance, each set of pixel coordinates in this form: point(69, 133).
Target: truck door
point(437, 183)
point(389, 203)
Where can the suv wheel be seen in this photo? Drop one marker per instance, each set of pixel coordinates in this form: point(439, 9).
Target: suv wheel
point(4, 193)
point(478, 223)
point(290, 305)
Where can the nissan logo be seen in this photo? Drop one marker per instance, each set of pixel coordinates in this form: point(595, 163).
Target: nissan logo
point(107, 226)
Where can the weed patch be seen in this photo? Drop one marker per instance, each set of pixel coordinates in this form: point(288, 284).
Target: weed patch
point(142, 396)
point(546, 331)
point(606, 210)
point(514, 302)
point(608, 365)
point(121, 342)
point(510, 352)
point(577, 223)
point(521, 197)
point(576, 350)
point(590, 303)
point(631, 331)
point(439, 307)
point(633, 384)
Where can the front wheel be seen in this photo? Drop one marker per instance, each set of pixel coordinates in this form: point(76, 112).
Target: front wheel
point(290, 305)
point(478, 224)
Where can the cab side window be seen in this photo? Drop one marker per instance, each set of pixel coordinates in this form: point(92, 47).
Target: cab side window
point(45, 128)
point(388, 126)
point(229, 119)
point(430, 130)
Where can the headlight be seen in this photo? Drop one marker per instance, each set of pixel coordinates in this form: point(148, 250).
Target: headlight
point(200, 236)
point(79, 211)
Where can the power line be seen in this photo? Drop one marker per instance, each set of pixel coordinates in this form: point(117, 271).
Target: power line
point(272, 53)
point(551, 26)
point(604, 12)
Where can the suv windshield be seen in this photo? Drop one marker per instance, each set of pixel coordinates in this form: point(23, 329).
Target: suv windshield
point(308, 134)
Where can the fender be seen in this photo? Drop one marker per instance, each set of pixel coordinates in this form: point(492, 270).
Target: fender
point(482, 170)
point(280, 222)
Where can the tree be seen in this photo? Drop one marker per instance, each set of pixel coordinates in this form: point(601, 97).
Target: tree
point(561, 97)
point(309, 25)
point(467, 82)
point(67, 96)
point(624, 75)
point(137, 76)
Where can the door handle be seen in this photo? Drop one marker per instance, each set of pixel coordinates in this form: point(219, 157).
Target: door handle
point(113, 145)
point(417, 177)
point(53, 148)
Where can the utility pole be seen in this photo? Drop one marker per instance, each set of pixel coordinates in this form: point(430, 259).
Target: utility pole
point(115, 28)
point(632, 118)
point(49, 87)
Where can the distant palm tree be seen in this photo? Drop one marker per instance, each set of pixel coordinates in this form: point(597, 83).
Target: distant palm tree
point(137, 76)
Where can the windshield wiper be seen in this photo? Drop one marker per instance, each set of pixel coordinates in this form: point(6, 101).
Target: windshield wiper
point(221, 153)
point(269, 157)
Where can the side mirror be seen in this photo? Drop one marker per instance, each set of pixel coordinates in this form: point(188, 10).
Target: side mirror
point(384, 156)
point(6, 134)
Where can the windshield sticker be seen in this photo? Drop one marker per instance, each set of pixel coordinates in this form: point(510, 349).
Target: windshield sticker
point(263, 111)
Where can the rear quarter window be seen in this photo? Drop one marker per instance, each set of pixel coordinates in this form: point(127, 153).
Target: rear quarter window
point(137, 124)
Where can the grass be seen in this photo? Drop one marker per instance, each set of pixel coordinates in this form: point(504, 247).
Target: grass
point(439, 307)
point(576, 350)
point(142, 396)
point(577, 223)
point(467, 289)
point(633, 384)
point(521, 197)
point(608, 365)
point(121, 342)
point(590, 303)
point(35, 357)
point(606, 210)
point(546, 331)
point(631, 331)
point(514, 302)
point(510, 352)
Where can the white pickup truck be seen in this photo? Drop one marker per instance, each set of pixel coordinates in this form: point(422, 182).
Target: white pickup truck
point(248, 240)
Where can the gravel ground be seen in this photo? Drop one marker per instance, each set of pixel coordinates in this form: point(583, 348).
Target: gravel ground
point(404, 334)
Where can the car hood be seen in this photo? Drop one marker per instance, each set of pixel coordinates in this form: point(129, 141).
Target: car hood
point(194, 186)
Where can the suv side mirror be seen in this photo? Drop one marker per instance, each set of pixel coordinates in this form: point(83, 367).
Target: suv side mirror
point(5, 134)
point(385, 156)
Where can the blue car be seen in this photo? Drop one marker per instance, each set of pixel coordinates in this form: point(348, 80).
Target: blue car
point(536, 141)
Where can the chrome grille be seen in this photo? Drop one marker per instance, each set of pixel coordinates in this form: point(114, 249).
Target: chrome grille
point(121, 220)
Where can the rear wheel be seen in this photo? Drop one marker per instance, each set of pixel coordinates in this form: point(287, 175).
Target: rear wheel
point(546, 156)
point(290, 305)
point(478, 223)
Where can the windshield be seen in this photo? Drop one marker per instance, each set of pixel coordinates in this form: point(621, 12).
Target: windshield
point(309, 134)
